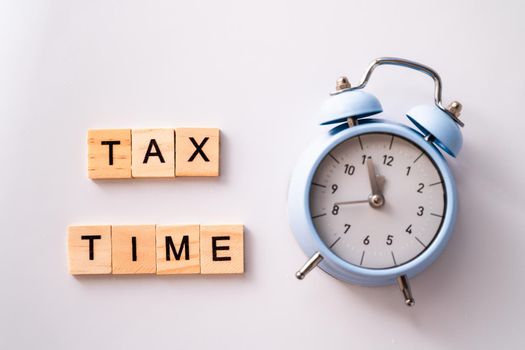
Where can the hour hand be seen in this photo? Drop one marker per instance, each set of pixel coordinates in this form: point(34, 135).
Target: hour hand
point(376, 199)
point(381, 182)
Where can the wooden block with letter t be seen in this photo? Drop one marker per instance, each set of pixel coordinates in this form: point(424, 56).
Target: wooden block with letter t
point(153, 153)
point(133, 249)
point(109, 154)
point(89, 250)
point(222, 249)
point(197, 151)
point(178, 250)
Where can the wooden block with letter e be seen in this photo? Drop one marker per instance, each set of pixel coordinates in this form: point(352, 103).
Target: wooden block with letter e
point(89, 250)
point(197, 151)
point(109, 154)
point(178, 249)
point(222, 249)
point(133, 249)
point(153, 153)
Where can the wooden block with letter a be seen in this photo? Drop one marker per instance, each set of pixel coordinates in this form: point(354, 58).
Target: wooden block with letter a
point(178, 249)
point(109, 154)
point(153, 153)
point(197, 151)
point(89, 250)
point(133, 249)
point(222, 249)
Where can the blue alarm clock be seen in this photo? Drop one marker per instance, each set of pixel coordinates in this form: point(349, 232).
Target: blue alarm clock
point(373, 202)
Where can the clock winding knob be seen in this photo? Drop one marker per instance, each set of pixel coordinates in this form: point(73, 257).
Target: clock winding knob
point(342, 84)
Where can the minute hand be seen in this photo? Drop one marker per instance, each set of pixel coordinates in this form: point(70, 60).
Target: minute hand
point(372, 177)
point(376, 199)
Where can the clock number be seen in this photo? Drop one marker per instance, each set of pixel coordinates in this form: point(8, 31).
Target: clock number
point(409, 229)
point(366, 241)
point(347, 227)
point(389, 239)
point(420, 189)
point(334, 188)
point(349, 169)
point(408, 170)
point(387, 160)
point(364, 156)
point(420, 211)
point(335, 210)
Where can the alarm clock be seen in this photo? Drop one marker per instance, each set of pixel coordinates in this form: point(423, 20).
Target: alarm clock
point(373, 202)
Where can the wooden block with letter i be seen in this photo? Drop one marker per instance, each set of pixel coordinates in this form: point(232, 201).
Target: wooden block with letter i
point(109, 154)
point(222, 249)
point(89, 250)
point(133, 249)
point(197, 151)
point(153, 153)
point(178, 249)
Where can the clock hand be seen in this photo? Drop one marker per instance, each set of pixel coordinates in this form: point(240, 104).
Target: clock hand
point(351, 202)
point(376, 199)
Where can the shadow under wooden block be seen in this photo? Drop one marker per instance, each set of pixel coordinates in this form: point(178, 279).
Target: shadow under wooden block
point(197, 151)
point(89, 250)
point(178, 249)
point(222, 249)
point(133, 249)
point(109, 154)
point(153, 153)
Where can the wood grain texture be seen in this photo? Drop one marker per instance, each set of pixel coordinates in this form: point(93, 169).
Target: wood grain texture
point(126, 259)
point(153, 152)
point(81, 261)
point(183, 253)
point(109, 154)
point(197, 151)
point(222, 249)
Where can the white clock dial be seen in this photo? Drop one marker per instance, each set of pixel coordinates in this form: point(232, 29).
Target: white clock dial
point(377, 234)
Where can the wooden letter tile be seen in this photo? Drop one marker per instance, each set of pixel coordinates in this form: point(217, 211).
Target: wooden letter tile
point(222, 249)
point(153, 153)
point(133, 249)
point(89, 250)
point(178, 249)
point(197, 152)
point(109, 154)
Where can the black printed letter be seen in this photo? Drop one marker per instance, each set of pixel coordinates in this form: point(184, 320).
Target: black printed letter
point(198, 149)
point(134, 248)
point(91, 239)
point(224, 247)
point(110, 144)
point(184, 245)
point(157, 153)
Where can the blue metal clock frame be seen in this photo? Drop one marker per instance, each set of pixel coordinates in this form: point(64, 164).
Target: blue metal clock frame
point(300, 215)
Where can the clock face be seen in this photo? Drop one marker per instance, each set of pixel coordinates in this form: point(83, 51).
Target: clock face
point(377, 200)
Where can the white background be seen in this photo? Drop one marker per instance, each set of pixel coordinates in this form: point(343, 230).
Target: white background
point(258, 71)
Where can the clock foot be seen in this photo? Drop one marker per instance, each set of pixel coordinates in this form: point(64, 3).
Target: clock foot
point(309, 266)
point(403, 284)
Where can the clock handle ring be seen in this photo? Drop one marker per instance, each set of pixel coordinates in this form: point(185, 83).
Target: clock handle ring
point(393, 61)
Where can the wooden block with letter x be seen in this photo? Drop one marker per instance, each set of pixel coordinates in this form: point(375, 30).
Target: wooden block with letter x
point(178, 250)
point(109, 154)
point(197, 151)
point(133, 249)
point(222, 249)
point(153, 153)
point(89, 250)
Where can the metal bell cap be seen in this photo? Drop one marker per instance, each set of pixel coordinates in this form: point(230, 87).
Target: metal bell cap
point(350, 103)
point(432, 120)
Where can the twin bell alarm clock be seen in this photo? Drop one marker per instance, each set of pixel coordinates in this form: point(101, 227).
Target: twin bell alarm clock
point(373, 202)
